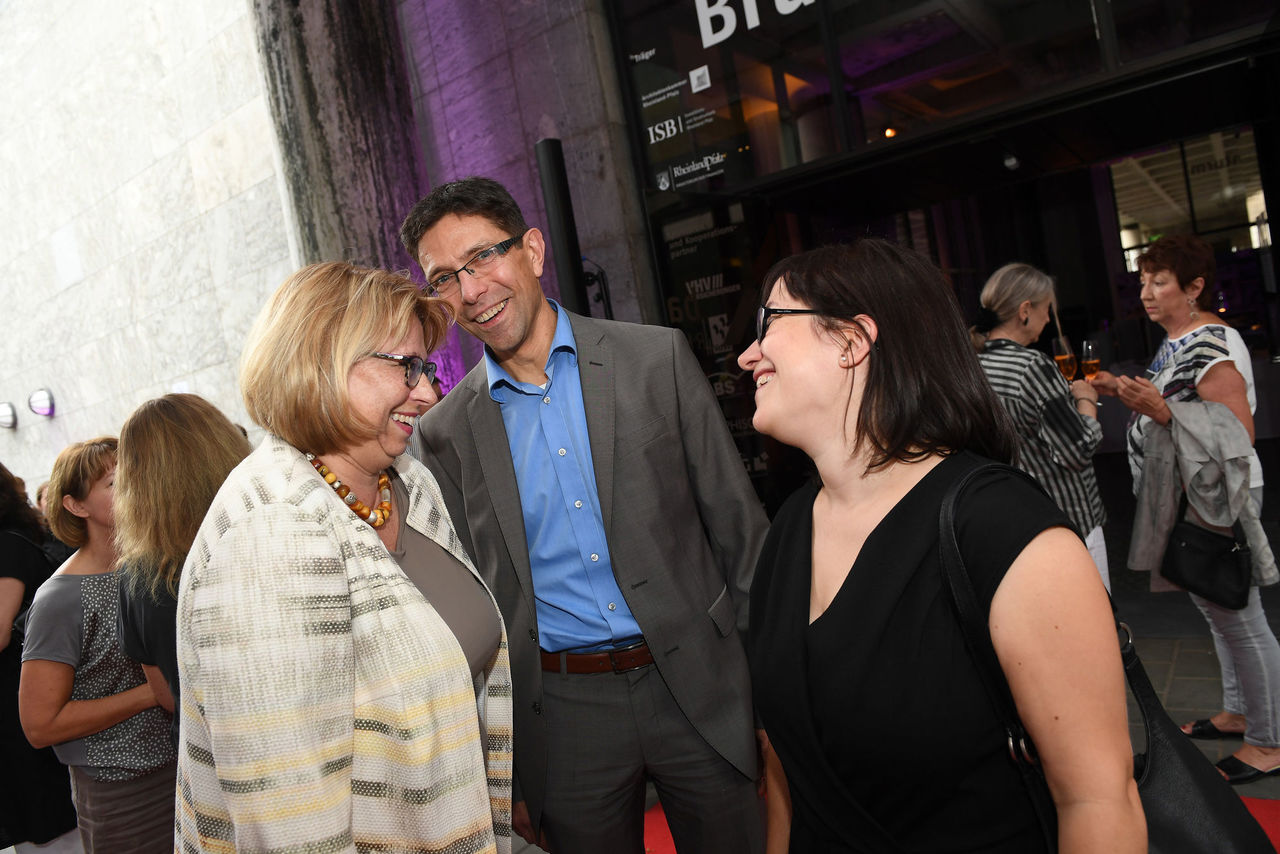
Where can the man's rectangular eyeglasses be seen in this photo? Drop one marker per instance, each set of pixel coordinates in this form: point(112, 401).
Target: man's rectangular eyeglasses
point(446, 283)
point(415, 367)
point(765, 315)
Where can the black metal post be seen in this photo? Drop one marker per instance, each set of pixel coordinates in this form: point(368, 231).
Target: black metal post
point(563, 235)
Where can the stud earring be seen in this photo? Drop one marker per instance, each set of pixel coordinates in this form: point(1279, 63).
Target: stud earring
point(844, 358)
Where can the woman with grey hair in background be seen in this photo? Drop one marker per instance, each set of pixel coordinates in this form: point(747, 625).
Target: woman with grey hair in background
point(1057, 423)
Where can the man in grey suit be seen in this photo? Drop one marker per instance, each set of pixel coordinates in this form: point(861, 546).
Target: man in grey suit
point(590, 474)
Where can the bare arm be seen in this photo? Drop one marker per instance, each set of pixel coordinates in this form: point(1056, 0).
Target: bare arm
point(1223, 384)
point(159, 686)
point(49, 715)
point(1055, 637)
point(11, 590)
point(777, 800)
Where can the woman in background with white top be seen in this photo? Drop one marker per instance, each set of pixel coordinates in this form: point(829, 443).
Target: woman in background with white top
point(1202, 359)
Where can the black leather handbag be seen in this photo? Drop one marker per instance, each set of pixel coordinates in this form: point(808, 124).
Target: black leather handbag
point(1211, 565)
point(1190, 808)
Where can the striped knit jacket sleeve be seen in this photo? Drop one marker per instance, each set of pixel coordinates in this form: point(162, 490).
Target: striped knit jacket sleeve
point(325, 706)
point(1056, 443)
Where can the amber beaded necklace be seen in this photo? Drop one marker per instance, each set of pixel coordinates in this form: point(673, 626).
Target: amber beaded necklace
point(377, 516)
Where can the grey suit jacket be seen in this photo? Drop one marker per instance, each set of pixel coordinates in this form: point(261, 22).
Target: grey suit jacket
point(683, 524)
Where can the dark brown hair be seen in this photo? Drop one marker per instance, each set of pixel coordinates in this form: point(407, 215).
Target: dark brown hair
point(1186, 256)
point(925, 392)
point(474, 196)
point(16, 512)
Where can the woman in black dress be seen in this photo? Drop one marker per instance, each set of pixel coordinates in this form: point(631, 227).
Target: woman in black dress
point(35, 794)
point(862, 679)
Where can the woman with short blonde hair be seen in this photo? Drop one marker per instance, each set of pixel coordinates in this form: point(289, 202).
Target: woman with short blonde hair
point(294, 372)
point(335, 643)
point(157, 516)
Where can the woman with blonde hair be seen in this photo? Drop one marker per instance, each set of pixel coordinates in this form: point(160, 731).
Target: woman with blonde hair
point(1057, 423)
point(78, 691)
point(345, 680)
point(157, 516)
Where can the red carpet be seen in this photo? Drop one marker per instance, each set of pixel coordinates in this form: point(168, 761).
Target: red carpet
point(657, 838)
point(1267, 813)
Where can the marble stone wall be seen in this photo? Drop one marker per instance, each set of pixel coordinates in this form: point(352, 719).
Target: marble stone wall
point(144, 220)
point(492, 77)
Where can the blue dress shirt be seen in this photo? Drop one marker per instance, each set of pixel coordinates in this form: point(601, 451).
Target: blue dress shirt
point(578, 602)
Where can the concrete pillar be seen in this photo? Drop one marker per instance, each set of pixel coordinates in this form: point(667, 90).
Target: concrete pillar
point(340, 101)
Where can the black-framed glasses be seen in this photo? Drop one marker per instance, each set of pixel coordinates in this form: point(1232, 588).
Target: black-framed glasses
point(765, 315)
point(444, 284)
point(415, 367)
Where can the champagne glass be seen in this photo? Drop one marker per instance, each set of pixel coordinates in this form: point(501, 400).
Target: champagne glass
point(1065, 357)
point(1090, 362)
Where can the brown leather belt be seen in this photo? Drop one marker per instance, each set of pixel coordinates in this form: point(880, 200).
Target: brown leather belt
point(616, 660)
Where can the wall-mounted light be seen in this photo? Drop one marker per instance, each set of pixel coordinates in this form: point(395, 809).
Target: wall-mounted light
point(41, 402)
point(8, 416)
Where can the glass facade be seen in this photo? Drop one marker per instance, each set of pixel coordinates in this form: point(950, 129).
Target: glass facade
point(911, 66)
point(1207, 185)
point(727, 92)
point(976, 131)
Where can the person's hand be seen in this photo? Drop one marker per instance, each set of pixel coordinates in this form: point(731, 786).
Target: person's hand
point(1103, 382)
point(523, 826)
point(1141, 395)
point(1081, 390)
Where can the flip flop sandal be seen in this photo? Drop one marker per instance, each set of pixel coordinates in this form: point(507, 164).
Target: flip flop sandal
point(1242, 772)
point(1204, 728)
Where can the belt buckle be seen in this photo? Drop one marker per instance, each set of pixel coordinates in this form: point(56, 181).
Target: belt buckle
point(614, 661)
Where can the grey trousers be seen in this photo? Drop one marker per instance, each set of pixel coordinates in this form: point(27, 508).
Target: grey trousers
point(134, 816)
point(609, 733)
point(1249, 656)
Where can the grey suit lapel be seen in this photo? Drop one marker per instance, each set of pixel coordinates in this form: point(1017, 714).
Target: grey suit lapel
point(596, 370)
point(489, 435)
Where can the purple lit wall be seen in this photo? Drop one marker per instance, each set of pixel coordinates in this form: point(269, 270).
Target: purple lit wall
point(488, 80)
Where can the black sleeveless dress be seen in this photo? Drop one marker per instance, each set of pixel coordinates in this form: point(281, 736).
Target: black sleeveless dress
point(876, 710)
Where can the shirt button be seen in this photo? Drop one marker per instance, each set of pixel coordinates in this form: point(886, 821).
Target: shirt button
point(547, 399)
point(537, 708)
point(595, 557)
point(533, 635)
point(577, 504)
point(561, 452)
point(612, 607)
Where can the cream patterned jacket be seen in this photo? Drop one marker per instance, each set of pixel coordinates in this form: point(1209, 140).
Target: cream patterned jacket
point(326, 706)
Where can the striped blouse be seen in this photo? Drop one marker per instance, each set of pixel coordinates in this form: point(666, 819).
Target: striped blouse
point(325, 705)
point(1178, 367)
point(1056, 442)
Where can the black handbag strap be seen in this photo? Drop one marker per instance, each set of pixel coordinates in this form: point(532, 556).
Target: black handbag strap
point(977, 637)
point(1237, 529)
